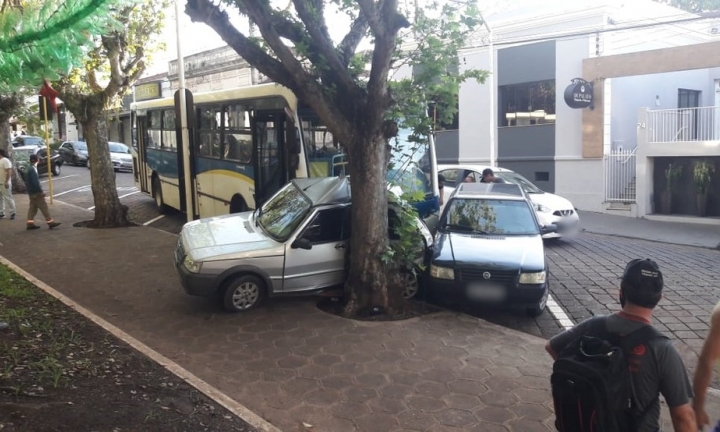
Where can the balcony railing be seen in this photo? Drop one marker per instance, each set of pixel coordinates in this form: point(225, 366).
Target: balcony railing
point(684, 124)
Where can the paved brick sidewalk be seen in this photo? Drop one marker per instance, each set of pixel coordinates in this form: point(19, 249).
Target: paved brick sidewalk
point(288, 361)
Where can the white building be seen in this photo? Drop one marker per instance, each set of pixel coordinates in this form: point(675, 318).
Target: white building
point(539, 50)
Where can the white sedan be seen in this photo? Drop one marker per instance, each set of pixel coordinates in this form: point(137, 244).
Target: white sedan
point(550, 208)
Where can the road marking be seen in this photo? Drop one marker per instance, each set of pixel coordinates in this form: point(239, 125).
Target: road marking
point(221, 398)
point(59, 178)
point(131, 193)
point(68, 191)
point(153, 220)
point(560, 316)
point(121, 196)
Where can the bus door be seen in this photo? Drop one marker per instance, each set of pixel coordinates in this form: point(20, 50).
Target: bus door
point(270, 164)
point(140, 166)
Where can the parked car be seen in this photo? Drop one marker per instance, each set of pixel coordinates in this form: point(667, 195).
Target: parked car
point(294, 244)
point(489, 249)
point(22, 160)
point(74, 152)
point(551, 209)
point(28, 140)
point(120, 156)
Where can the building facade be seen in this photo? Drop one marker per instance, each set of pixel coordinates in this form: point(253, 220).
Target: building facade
point(564, 147)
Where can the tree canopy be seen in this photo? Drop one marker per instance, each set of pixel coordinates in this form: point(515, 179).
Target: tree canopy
point(43, 39)
point(693, 5)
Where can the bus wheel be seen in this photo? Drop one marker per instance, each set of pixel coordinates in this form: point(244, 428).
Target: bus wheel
point(157, 195)
point(237, 205)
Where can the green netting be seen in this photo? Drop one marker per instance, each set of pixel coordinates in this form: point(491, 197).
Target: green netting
point(48, 38)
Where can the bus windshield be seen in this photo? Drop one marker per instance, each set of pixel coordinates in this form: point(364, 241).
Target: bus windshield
point(410, 164)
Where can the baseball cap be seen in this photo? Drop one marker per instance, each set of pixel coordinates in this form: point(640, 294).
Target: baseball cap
point(487, 172)
point(643, 273)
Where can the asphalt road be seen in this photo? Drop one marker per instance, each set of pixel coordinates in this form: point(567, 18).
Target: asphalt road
point(584, 270)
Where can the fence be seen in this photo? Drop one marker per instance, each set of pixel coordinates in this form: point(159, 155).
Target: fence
point(620, 180)
point(684, 124)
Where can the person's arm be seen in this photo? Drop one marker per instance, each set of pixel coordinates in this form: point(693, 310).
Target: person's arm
point(33, 179)
point(550, 350)
point(703, 372)
point(558, 342)
point(675, 387)
point(8, 173)
point(683, 418)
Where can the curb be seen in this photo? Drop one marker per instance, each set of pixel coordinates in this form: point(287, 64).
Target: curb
point(585, 230)
point(211, 392)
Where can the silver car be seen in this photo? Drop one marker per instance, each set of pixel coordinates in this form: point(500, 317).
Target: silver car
point(296, 243)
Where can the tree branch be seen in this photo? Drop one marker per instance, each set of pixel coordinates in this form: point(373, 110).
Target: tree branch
point(349, 44)
point(391, 22)
point(369, 10)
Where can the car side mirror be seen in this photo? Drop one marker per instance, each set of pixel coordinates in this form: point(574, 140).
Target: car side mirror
point(301, 243)
point(548, 229)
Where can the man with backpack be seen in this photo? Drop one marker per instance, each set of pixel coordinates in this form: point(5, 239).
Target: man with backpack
point(609, 370)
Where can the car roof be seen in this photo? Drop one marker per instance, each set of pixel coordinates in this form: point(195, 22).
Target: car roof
point(472, 167)
point(490, 190)
point(30, 147)
point(325, 190)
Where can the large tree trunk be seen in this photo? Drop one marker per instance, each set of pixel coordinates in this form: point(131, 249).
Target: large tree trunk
point(18, 184)
point(109, 212)
point(371, 283)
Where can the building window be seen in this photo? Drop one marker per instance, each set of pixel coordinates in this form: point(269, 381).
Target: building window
point(527, 104)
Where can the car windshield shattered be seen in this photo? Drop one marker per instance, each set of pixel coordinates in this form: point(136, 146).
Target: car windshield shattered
point(515, 178)
point(489, 216)
point(409, 165)
point(280, 216)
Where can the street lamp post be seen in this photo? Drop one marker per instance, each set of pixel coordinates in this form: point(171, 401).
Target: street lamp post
point(185, 135)
point(491, 82)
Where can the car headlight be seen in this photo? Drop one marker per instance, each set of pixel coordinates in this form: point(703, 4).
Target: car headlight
point(534, 278)
point(543, 209)
point(191, 265)
point(442, 272)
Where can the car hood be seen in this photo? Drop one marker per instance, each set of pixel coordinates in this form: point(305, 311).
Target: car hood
point(491, 252)
point(121, 156)
point(225, 237)
point(552, 201)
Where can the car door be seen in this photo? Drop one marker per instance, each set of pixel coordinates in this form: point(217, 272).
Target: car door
point(42, 167)
point(324, 264)
point(66, 152)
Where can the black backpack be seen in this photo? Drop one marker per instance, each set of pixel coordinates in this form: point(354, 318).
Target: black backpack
point(592, 386)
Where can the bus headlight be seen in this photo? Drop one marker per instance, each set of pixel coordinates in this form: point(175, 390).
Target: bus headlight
point(192, 266)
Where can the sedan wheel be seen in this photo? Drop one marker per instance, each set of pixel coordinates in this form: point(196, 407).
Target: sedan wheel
point(411, 284)
point(55, 169)
point(243, 293)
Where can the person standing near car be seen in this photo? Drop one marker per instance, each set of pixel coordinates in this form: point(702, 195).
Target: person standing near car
point(37, 196)
point(488, 176)
point(6, 198)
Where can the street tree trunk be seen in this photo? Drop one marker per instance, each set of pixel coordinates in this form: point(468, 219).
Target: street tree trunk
point(371, 281)
point(109, 211)
point(18, 184)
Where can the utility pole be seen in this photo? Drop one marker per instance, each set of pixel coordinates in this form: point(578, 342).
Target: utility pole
point(184, 133)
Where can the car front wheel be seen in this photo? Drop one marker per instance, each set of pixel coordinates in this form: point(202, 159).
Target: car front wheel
point(55, 169)
point(243, 293)
point(410, 284)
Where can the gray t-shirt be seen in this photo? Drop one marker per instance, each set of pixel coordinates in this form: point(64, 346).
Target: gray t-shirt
point(661, 372)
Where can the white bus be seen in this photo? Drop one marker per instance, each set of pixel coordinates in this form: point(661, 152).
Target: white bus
point(246, 143)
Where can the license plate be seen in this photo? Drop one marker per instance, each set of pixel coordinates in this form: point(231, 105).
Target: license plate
point(486, 292)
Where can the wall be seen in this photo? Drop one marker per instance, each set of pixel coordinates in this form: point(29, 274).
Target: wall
point(684, 198)
point(446, 146)
point(631, 93)
point(474, 121)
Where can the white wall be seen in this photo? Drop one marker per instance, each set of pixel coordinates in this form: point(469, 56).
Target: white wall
point(568, 126)
point(582, 182)
point(632, 93)
point(474, 114)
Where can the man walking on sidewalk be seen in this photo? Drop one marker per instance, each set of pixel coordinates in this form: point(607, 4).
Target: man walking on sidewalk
point(6, 199)
point(37, 196)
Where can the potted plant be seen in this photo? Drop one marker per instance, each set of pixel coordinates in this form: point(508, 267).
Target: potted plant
point(703, 176)
point(672, 175)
